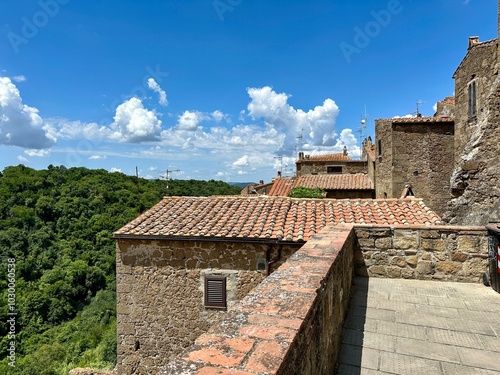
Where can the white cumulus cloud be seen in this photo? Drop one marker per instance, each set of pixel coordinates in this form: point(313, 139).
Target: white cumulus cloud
point(134, 123)
point(20, 125)
point(190, 120)
point(318, 123)
point(153, 85)
point(37, 153)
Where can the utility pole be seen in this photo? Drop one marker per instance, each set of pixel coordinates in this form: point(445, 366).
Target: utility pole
point(138, 190)
point(167, 176)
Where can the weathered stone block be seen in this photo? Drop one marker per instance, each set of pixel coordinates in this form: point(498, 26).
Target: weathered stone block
point(433, 244)
point(426, 256)
point(398, 261)
point(383, 243)
point(407, 273)
point(405, 239)
point(366, 242)
point(412, 260)
point(377, 271)
point(425, 268)
point(459, 257)
point(394, 272)
point(449, 267)
point(430, 234)
point(361, 233)
point(469, 244)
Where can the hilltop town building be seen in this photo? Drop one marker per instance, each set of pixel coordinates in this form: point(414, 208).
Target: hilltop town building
point(184, 262)
point(415, 151)
point(474, 181)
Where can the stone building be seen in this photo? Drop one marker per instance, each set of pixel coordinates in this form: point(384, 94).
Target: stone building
point(328, 164)
point(415, 151)
point(185, 262)
point(475, 179)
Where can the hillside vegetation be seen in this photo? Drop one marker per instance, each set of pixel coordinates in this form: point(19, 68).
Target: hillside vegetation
point(57, 262)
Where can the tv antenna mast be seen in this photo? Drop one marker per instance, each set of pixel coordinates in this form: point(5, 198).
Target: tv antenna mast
point(280, 158)
point(362, 128)
point(300, 139)
point(419, 104)
point(166, 176)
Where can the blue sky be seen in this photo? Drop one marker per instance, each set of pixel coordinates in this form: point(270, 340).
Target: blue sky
point(218, 89)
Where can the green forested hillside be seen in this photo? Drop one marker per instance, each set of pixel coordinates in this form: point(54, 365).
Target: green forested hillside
point(56, 239)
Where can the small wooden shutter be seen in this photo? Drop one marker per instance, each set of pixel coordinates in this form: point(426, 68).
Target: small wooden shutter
point(215, 291)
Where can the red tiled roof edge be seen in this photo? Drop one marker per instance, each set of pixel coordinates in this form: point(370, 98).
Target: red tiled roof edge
point(267, 218)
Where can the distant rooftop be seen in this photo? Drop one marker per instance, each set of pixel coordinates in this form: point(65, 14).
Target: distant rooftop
point(418, 119)
point(268, 218)
point(327, 157)
point(348, 181)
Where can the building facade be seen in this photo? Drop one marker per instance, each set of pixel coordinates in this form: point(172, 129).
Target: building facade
point(415, 151)
point(475, 179)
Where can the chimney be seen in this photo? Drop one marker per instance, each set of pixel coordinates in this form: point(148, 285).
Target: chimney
point(301, 154)
point(261, 182)
point(473, 40)
point(279, 174)
point(345, 151)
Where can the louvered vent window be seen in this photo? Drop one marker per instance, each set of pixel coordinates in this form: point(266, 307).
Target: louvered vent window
point(472, 97)
point(215, 291)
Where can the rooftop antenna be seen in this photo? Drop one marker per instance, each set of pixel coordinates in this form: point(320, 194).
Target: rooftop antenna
point(419, 104)
point(362, 128)
point(166, 176)
point(280, 158)
point(300, 138)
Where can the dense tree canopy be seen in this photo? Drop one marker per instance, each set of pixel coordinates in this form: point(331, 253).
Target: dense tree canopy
point(57, 225)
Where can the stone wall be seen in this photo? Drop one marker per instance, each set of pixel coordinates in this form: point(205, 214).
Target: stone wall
point(160, 305)
point(423, 157)
point(383, 160)
point(420, 252)
point(416, 153)
point(289, 324)
point(475, 179)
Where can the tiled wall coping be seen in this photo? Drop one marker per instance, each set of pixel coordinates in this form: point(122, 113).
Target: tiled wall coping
point(294, 314)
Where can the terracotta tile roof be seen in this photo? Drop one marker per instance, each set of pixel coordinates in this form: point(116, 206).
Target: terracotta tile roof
point(281, 187)
point(413, 120)
point(327, 157)
point(268, 218)
point(352, 181)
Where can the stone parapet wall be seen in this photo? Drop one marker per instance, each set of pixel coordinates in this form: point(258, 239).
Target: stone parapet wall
point(289, 324)
point(449, 253)
point(160, 305)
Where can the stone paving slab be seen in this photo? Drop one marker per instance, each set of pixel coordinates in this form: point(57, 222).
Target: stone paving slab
point(418, 327)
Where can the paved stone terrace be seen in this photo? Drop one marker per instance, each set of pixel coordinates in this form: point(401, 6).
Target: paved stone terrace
point(413, 327)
